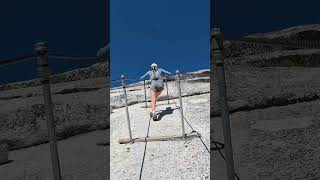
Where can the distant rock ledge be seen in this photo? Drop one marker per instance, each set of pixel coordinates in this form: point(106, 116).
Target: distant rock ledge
point(95, 71)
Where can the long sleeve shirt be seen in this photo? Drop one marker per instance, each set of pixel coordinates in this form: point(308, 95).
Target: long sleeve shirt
point(160, 73)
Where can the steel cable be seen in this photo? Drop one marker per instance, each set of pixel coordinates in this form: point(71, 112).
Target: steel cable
point(50, 55)
point(145, 150)
point(69, 57)
point(188, 122)
point(218, 148)
point(115, 80)
point(17, 60)
point(280, 43)
point(216, 142)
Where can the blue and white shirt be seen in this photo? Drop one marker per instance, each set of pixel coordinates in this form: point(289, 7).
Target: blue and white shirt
point(158, 74)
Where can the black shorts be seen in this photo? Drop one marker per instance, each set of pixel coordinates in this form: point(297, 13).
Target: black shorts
point(157, 85)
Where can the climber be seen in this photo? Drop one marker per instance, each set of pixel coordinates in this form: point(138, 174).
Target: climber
point(156, 78)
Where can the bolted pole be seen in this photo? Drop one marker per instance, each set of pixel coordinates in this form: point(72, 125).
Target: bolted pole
point(126, 103)
point(219, 64)
point(167, 90)
point(180, 100)
point(41, 50)
point(145, 93)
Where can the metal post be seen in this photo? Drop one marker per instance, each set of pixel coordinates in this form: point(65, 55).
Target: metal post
point(126, 103)
point(145, 93)
point(180, 100)
point(219, 64)
point(41, 50)
point(167, 90)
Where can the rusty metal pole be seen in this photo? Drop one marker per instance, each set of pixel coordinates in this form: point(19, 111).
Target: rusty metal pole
point(41, 50)
point(145, 93)
point(219, 65)
point(167, 90)
point(181, 107)
point(126, 104)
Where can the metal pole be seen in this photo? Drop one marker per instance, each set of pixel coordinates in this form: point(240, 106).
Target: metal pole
point(126, 103)
point(167, 90)
point(145, 93)
point(41, 50)
point(180, 100)
point(219, 64)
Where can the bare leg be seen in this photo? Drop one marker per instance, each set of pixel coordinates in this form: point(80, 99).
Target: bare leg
point(158, 94)
point(154, 96)
point(153, 100)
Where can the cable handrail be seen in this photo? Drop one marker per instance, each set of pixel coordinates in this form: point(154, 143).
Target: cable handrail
point(71, 57)
point(16, 60)
point(137, 79)
point(41, 51)
point(297, 43)
point(20, 59)
point(55, 55)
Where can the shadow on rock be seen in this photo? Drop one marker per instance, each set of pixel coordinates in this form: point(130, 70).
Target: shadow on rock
point(167, 111)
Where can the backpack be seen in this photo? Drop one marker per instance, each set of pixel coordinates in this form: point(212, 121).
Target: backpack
point(155, 75)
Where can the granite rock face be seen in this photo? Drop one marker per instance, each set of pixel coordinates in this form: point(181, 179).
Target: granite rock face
point(273, 96)
point(135, 92)
point(94, 71)
point(308, 30)
point(236, 49)
point(80, 104)
point(27, 126)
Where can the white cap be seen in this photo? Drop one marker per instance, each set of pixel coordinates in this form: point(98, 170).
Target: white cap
point(154, 65)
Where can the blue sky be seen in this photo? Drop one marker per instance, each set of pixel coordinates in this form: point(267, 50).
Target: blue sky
point(73, 27)
point(239, 18)
point(174, 33)
point(142, 29)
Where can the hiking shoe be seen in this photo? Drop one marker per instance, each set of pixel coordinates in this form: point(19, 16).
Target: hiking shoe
point(154, 117)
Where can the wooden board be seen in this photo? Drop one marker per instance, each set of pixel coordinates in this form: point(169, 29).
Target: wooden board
point(158, 138)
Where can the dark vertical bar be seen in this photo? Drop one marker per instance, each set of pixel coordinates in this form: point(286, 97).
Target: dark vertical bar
point(106, 21)
point(219, 64)
point(145, 93)
point(103, 54)
point(107, 41)
point(107, 58)
point(167, 90)
point(181, 107)
point(41, 50)
point(126, 104)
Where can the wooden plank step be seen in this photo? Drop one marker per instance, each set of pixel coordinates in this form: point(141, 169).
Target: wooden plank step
point(158, 104)
point(159, 138)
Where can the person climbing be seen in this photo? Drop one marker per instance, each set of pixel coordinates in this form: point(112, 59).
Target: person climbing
point(156, 78)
